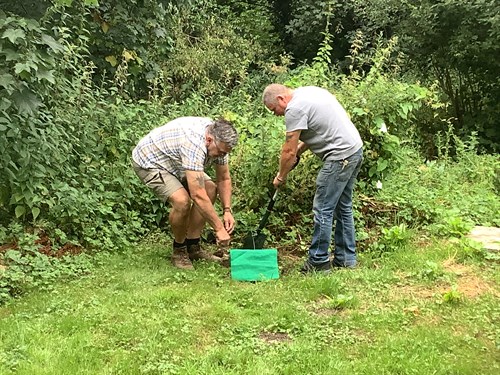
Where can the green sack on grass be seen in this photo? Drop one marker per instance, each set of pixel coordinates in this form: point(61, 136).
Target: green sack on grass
point(254, 265)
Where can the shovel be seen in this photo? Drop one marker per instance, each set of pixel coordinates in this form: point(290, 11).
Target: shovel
point(257, 239)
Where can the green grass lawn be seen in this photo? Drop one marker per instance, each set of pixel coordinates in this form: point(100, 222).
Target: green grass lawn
point(429, 308)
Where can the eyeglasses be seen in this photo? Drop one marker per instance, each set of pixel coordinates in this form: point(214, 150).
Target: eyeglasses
point(220, 151)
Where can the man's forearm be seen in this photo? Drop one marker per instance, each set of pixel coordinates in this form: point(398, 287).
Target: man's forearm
point(287, 160)
point(207, 210)
point(224, 189)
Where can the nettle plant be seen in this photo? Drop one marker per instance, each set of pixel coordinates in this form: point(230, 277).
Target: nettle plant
point(28, 58)
point(385, 109)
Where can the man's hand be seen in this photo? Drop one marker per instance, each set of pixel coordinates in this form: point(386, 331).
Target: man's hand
point(223, 238)
point(278, 181)
point(229, 222)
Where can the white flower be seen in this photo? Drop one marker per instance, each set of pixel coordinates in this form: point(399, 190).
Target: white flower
point(383, 128)
point(379, 184)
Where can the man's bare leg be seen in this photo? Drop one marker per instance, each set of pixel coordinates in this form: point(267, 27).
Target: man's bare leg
point(179, 214)
point(196, 221)
point(178, 217)
point(195, 227)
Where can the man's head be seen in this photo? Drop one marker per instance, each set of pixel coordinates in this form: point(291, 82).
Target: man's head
point(276, 98)
point(221, 137)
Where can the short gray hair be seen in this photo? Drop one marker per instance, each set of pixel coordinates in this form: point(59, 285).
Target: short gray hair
point(271, 92)
point(224, 131)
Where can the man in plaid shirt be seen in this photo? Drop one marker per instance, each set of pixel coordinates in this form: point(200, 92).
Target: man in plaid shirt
point(171, 161)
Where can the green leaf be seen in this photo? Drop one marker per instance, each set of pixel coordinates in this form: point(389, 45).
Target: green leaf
point(112, 60)
point(35, 211)
point(45, 74)
point(52, 43)
point(359, 111)
point(6, 81)
point(32, 24)
point(20, 211)
point(406, 109)
point(372, 170)
point(26, 102)
point(378, 121)
point(381, 165)
point(5, 118)
point(13, 35)
point(10, 54)
point(21, 67)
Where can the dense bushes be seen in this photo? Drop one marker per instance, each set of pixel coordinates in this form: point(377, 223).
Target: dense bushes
point(67, 130)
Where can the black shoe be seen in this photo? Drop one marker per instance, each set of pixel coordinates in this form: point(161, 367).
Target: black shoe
point(315, 268)
point(345, 265)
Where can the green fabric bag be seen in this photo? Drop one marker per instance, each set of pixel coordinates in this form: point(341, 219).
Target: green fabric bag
point(254, 265)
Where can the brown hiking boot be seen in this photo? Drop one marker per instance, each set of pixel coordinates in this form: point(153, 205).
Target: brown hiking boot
point(226, 261)
point(197, 253)
point(221, 252)
point(180, 258)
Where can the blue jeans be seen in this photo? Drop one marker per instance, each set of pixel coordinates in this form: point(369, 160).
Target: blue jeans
point(333, 200)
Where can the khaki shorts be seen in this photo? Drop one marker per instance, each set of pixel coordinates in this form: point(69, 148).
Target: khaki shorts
point(163, 183)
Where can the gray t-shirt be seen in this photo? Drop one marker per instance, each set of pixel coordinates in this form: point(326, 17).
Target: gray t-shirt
point(325, 125)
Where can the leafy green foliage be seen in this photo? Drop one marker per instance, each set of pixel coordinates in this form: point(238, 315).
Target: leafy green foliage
point(25, 267)
point(217, 47)
point(431, 271)
point(460, 41)
point(28, 54)
point(452, 296)
point(339, 302)
point(68, 161)
point(306, 20)
point(393, 239)
point(452, 226)
point(70, 114)
point(428, 193)
point(126, 42)
point(470, 250)
point(453, 43)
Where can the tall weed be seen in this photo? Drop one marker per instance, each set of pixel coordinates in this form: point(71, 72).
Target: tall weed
point(452, 195)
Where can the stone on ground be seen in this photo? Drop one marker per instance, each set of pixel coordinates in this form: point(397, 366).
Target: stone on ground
point(488, 236)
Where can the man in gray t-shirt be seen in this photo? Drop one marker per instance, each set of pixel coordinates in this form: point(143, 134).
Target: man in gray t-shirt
point(315, 120)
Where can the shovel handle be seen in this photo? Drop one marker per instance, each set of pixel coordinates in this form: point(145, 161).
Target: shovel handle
point(273, 199)
point(269, 208)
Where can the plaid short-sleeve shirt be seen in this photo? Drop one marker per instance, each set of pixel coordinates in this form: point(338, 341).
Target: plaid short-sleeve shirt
point(177, 146)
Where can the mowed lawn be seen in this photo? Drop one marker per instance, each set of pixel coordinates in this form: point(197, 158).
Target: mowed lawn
point(429, 308)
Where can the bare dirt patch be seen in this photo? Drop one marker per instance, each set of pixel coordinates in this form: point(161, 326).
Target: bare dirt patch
point(467, 283)
point(47, 246)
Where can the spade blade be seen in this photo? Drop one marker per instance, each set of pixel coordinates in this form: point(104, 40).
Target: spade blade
point(254, 241)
